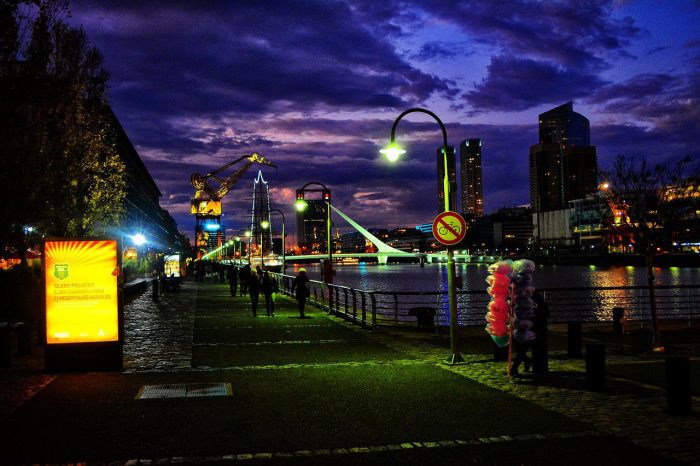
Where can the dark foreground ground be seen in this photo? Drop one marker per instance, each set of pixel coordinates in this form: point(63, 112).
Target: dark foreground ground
point(322, 391)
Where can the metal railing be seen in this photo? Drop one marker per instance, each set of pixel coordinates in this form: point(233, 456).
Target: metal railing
point(590, 304)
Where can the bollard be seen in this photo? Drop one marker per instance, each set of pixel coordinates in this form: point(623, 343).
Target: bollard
point(5, 345)
point(595, 366)
point(618, 314)
point(500, 353)
point(155, 290)
point(678, 385)
point(573, 339)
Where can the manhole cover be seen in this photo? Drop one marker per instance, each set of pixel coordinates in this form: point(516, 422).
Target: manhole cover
point(184, 390)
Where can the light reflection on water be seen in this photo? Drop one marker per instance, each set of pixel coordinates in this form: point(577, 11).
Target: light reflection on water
point(433, 277)
point(597, 304)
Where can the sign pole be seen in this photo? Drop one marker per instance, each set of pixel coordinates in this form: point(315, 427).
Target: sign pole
point(449, 228)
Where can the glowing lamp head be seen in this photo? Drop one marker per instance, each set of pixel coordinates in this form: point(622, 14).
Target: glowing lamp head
point(138, 239)
point(300, 205)
point(237, 238)
point(392, 152)
point(247, 233)
point(264, 224)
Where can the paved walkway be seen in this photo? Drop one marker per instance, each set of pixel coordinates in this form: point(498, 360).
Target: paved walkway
point(321, 391)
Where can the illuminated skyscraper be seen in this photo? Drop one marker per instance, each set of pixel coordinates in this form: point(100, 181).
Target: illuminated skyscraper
point(470, 178)
point(563, 165)
point(452, 175)
point(261, 212)
point(311, 226)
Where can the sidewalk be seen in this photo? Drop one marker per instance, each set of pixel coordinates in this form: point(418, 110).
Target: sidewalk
point(322, 391)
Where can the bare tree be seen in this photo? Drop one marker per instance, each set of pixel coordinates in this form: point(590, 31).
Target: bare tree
point(648, 203)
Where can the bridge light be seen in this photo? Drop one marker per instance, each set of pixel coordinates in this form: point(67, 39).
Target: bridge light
point(392, 152)
point(300, 205)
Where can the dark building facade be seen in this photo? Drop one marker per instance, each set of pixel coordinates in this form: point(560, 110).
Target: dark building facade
point(142, 211)
point(311, 226)
point(452, 176)
point(509, 228)
point(563, 165)
point(471, 178)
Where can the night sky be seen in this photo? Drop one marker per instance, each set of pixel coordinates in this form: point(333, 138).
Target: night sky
point(315, 86)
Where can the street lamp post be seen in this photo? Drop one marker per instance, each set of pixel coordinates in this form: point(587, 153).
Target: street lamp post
point(264, 225)
point(301, 205)
point(284, 265)
point(392, 152)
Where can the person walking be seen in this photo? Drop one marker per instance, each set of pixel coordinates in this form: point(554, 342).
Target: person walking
point(244, 275)
point(232, 277)
point(268, 287)
point(301, 287)
point(254, 291)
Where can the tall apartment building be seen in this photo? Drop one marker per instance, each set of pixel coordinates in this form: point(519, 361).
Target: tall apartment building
point(563, 164)
point(470, 178)
point(452, 176)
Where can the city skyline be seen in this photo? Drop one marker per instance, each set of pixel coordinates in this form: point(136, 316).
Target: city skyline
point(316, 86)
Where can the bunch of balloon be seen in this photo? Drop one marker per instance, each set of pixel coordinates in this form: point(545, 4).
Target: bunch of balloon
point(498, 307)
point(524, 306)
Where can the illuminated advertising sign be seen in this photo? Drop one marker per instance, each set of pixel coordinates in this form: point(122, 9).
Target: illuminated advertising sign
point(81, 279)
point(172, 265)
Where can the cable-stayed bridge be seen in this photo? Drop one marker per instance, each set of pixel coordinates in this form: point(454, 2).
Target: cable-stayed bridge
point(384, 251)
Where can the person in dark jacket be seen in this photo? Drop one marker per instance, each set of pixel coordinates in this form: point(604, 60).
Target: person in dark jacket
point(300, 285)
point(232, 277)
point(268, 286)
point(254, 291)
point(244, 276)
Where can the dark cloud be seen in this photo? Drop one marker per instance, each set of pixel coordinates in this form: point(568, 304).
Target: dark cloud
point(242, 57)
point(572, 34)
point(515, 83)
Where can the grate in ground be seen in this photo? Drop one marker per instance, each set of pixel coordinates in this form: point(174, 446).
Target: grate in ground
point(184, 390)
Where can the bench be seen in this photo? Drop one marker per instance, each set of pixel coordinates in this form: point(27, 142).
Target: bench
point(425, 316)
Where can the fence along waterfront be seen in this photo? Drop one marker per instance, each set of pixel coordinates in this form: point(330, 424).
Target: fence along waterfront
point(571, 304)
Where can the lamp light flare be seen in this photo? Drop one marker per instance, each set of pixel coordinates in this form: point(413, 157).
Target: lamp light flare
point(264, 224)
point(300, 205)
point(392, 152)
point(138, 239)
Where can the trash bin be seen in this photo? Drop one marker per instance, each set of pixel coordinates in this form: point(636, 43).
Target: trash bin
point(425, 316)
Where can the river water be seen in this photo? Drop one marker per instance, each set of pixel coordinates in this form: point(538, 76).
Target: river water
point(433, 277)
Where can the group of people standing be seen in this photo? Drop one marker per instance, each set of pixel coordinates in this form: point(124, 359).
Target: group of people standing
point(252, 282)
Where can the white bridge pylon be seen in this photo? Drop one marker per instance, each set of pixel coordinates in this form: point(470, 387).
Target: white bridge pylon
point(382, 247)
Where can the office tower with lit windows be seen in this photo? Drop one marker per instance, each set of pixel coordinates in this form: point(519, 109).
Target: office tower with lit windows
point(311, 226)
point(470, 178)
point(563, 164)
point(452, 176)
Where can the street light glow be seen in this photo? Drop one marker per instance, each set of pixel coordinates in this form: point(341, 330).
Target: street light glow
point(264, 224)
point(300, 205)
point(138, 239)
point(392, 152)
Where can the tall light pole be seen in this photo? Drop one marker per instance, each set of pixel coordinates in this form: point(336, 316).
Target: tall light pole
point(264, 225)
point(284, 265)
point(392, 152)
point(301, 204)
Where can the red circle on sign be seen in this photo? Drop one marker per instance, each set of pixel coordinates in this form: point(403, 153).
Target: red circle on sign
point(449, 228)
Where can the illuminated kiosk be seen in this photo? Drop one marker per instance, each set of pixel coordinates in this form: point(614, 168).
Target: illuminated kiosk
point(84, 311)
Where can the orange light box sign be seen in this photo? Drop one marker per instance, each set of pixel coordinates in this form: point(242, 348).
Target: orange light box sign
point(81, 291)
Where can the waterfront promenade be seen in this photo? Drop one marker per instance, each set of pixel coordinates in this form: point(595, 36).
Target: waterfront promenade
point(323, 391)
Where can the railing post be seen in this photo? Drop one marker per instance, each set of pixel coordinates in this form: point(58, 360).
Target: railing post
point(374, 310)
point(345, 293)
point(396, 309)
point(337, 301)
point(323, 299)
point(364, 310)
point(354, 306)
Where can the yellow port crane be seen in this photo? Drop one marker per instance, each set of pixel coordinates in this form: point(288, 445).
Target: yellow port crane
point(206, 203)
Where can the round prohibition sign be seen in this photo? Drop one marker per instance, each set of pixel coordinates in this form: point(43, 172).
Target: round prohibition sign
point(449, 228)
